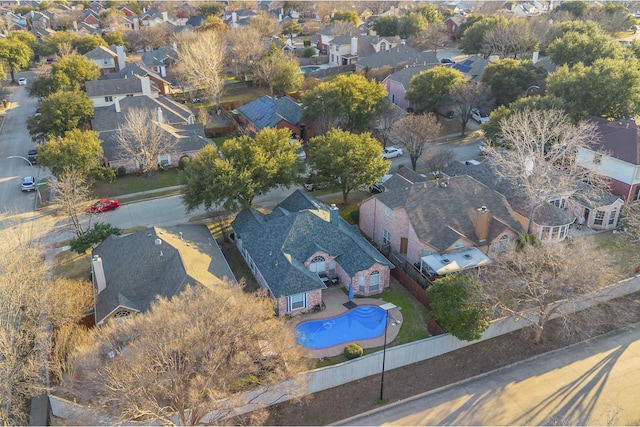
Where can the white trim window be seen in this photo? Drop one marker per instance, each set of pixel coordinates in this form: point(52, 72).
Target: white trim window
point(386, 237)
point(297, 302)
point(374, 281)
point(612, 217)
point(389, 212)
point(599, 219)
point(164, 159)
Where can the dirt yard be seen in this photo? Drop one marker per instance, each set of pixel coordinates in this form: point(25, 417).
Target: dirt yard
point(333, 405)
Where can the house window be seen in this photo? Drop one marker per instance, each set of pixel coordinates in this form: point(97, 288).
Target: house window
point(374, 282)
point(108, 98)
point(389, 212)
point(612, 217)
point(383, 46)
point(332, 57)
point(296, 302)
point(361, 284)
point(318, 265)
point(501, 245)
point(105, 61)
point(597, 158)
point(560, 203)
point(164, 160)
point(337, 48)
point(636, 194)
point(599, 219)
point(121, 313)
point(332, 268)
point(386, 237)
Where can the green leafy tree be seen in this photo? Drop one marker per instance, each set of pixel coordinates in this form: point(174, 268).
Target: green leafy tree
point(291, 27)
point(348, 101)
point(348, 160)
point(471, 41)
point(287, 77)
point(93, 236)
point(510, 78)
point(72, 71)
point(211, 9)
point(84, 44)
point(247, 168)
point(25, 37)
point(574, 47)
point(56, 42)
point(429, 88)
point(309, 52)
point(61, 112)
point(79, 149)
point(459, 306)
point(558, 30)
point(576, 8)
point(431, 13)
point(15, 54)
point(346, 16)
point(386, 26)
point(114, 38)
point(604, 89)
point(42, 86)
point(411, 24)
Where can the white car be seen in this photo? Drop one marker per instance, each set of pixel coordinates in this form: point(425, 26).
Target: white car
point(478, 116)
point(391, 152)
point(22, 81)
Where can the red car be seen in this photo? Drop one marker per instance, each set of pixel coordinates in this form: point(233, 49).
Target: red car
point(103, 205)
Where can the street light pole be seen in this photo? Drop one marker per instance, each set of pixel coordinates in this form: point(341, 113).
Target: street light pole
point(384, 352)
point(39, 197)
point(23, 158)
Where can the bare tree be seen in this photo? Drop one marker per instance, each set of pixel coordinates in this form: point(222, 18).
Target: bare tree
point(541, 156)
point(72, 190)
point(22, 284)
point(246, 46)
point(539, 281)
point(437, 159)
point(187, 360)
point(510, 40)
point(431, 38)
point(266, 25)
point(465, 97)
point(414, 132)
point(202, 61)
point(383, 126)
point(142, 138)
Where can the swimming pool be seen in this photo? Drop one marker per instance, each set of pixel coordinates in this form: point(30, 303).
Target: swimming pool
point(309, 69)
point(363, 322)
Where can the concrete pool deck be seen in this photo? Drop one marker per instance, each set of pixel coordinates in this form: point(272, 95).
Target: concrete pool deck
point(334, 298)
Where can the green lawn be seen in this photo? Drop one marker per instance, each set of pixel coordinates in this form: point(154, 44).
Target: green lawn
point(135, 183)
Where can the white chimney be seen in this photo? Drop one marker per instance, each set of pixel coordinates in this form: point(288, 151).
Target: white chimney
point(136, 23)
point(534, 59)
point(160, 117)
point(122, 61)
point(116, 102)
point(354, 45)
point(165, 16)
point(146, 86)
point(98, 273)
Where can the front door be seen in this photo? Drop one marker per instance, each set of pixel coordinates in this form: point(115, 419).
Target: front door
point(404, 243)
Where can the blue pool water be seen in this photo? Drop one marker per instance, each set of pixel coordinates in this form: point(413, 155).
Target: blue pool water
point(363, 322)
point(309, 69)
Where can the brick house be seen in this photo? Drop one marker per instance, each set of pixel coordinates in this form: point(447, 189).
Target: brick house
point(418, 218)
point(301, 247)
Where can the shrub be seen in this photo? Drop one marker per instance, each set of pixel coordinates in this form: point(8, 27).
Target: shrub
point(306, 43)
point(308, 52)
point(183, 162)
point(353, 351)
point(122, 171)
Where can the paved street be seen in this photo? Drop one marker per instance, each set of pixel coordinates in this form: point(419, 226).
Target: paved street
point(594, 383)
point(15, 141)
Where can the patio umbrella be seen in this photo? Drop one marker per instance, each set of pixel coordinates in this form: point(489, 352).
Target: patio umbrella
point(350, 290)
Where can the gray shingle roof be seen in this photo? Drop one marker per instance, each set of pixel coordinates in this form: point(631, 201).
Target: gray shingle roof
point(441, 212)
point(101, 52)
point(398, 55)
point(280, 243)
point(266, 111)
point(137, 270)
point(405, 75)
point(106, 118)
point(161, 56)
point(546, 215)
point(120, 86)
point(134, 69)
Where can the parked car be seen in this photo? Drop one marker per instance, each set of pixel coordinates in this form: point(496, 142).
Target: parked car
point(479, 116)
point(32, 156)
point(22, 81)
point(391, 152)
point(447, 61)
point(103, 206)
point(28, 183)
point(378, 186)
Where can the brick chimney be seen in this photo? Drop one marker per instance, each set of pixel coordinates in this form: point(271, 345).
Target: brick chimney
point(98, 274)
point(483, 216)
